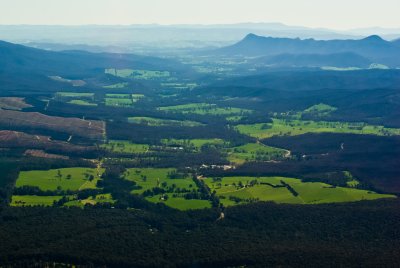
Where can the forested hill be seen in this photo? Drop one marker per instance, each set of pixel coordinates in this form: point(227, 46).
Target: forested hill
point(18, 59)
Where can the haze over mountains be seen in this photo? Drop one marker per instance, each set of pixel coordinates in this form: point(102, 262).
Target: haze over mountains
point(140, 38)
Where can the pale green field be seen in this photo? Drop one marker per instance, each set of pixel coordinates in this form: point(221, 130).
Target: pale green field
point(101, 198)
point(116, 86)
point(309, 193)
point(234, 118)
point(138, 74)
point(125, 147)
point(151, 121)
point(50, 179)
point(82, 102)
point(118, 102)
point(74, 95)
point(194, 144)
point(137, 96)
point(181, 203)
point(282, 127)
point(180, 86)
point(33, 200)
point(118, 96)
point(149, 178)
point(204, 109)
point(321, 109)
point(255, 152)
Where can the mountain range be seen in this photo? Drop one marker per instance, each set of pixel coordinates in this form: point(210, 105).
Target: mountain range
point(147, 38)
point(370, 49)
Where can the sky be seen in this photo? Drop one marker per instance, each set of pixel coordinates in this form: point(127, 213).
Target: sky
point(333, 14)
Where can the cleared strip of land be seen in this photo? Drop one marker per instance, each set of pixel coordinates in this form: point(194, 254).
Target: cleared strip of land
point(74, 126)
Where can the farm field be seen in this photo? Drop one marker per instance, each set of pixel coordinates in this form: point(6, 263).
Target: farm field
point(241, 190)
point(92, 200)
point(151, 121)
point(138, 74)
point(82, 102)
point(123, 100)
point(180, 86)
point(116, 86)
point(164, 185)
point(204, 109)
point(181, 203)
point(118, 102)
point(283, 127)
point(255, 152)
point(33, 200)
point(320, 109)
point(73, 95)
point(73, 179)
point(148, 178)
point(194, 144)
point(125, 147)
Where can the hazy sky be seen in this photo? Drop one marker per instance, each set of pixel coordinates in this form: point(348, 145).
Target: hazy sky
point(335, 14)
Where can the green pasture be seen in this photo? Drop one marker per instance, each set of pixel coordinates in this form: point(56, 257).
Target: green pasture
point(119, 102)
point(287, 127)
point(204, 109)
point(116, 86)
point(125, 147)
point(180, 203)
point(255, 152)
point(33, 200)
point(73, 179)
point(82, 102)
point(138, 74)
point(242, 190)
point(194, 144)
point(148, 178)
point(151, 121)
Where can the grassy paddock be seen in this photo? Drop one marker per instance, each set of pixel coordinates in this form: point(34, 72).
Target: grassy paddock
point(125, 147)
point(255, 152)
point(204, 109)
point(73, 179)
point(288, 127)
point(242, 190)
point(151, 121)
point(33, 200)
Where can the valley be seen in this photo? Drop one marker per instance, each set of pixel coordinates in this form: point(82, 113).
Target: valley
point(243, 145)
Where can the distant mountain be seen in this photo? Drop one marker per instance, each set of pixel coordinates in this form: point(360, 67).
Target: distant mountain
point(396, 42)
point(18, 59)
point(373, 48)
point(158, 36)
point(153, 37)
point(339, 60)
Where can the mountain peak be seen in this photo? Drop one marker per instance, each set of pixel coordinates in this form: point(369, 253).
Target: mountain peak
point(374, 38)
point(251, 36)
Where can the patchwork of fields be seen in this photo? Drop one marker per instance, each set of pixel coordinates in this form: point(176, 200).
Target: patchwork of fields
point(242, 190)
point(44, 187)
point(151, 121)
point(166, 185)
point(138, 74)
point(177, 189)
point(283, 127)
point(125, 147)
point(204, 109)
